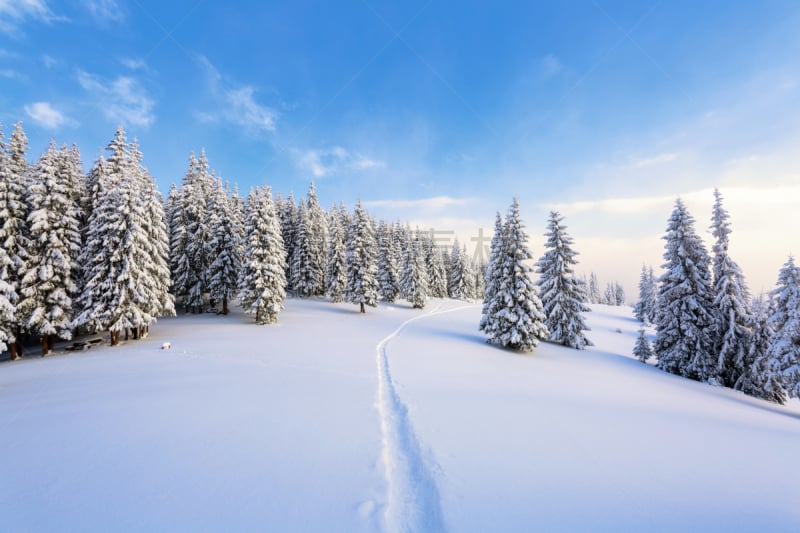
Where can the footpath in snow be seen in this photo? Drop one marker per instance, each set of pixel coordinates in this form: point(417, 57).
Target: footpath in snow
point(400, 420)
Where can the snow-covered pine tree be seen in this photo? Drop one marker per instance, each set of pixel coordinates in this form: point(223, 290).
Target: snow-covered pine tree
point(47, 289)
point(784, 349)
point(731, 301)
point(414, 279)
point(302, 268)
point(619, 294)
point(13, 222)
point(684, 343)
point(8, 318)
point(388, 275)
point(437, 272)
point(457, 285)
point(262, 281)
point(335, 272)
point(225, 238)
point(287, 211)
point(362, 283)
point(761, 377)
point(318, 236)
point(514, 317)
point(492, 272)
point(468, 274)
point(646, 305)
point(642, 349)
point(594, 289)
point(198, 247)
point(559, 289)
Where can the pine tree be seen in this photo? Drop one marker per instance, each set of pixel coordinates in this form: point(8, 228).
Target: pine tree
point(262, 278)
point(335, 273)
point(48, 286)
point(125, 255)
point(198, 246)
point(414, 280)
point(514, 318)
point(784, 349)
point(559, 289)
point(388, 276)
point(362, 283)
point(645, 308)
point(436, 270)
point(731, 301)
point(684, 342)
point(468, 275)
point(225, 238)
point(317, 236)
point(761, 378)
point(492, 273)
point(8, 296)
point(287, 211)
point(642, 350)
point(13, 224)
point(302, 269)
point(457, 282)
point(594, 289)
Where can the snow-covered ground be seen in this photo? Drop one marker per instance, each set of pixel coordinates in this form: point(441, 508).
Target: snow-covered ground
point(397, 420)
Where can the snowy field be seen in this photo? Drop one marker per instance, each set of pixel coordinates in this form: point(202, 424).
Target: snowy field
point(400, 420)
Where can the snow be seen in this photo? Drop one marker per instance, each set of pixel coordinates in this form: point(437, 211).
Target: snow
point(398, 420)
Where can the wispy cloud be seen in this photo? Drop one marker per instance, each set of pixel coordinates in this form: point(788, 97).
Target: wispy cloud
point(106, 11)
point(47, 116)
point(330, 161)
point(133, 63)
point(123, 99)
point(49, 61)
point(237, 103)
point(652, 161)
point(14, 13)
point(551, 66)
point(11, 74)
point(435, 203)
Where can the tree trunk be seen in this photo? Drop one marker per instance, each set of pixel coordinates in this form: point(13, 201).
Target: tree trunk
point(12, 351)
point(135, 333)
point(224, 305)
point(51, 342)
point(363, 309)
point(45, 344)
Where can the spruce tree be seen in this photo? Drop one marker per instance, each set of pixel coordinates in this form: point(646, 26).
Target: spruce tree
point(642, 349)
point(225, 238)
point(198, 246)
point(684, 342)
point(317, 237)
point(335, 273)
point(647, 304)
point(262, 280)
point(594, 289)
point(514, 318)
point(761, 377)
point(13, 223)
point(731, 301)
point(48, 287)
point(287, 211)
point(8, 318)
point(303, 269)
point(559, 289)
point(784, 349)
point(362, 283)
point(414, 279)
point(492, 273)
point(388, 275)
point(436, 270)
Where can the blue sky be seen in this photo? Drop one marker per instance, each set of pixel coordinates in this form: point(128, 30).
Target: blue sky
point(440, 112)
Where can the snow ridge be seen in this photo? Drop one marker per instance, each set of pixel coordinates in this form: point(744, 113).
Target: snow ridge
point(412, 502)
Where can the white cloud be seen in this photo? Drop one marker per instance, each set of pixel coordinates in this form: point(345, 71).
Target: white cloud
point(659, 159)
point(133, 63)
point(123, 99)
point(551, 65)
point(15, 12)
point(11, 74)
point(46, 116)
point(434, 203)
point(236, 104)
point(49, 61)
point(105, 11)
point(330, 161)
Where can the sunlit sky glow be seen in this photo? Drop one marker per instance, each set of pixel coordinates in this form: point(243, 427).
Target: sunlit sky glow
point(441, 112)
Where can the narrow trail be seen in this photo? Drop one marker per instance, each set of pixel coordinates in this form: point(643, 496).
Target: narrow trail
point(412, 500)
